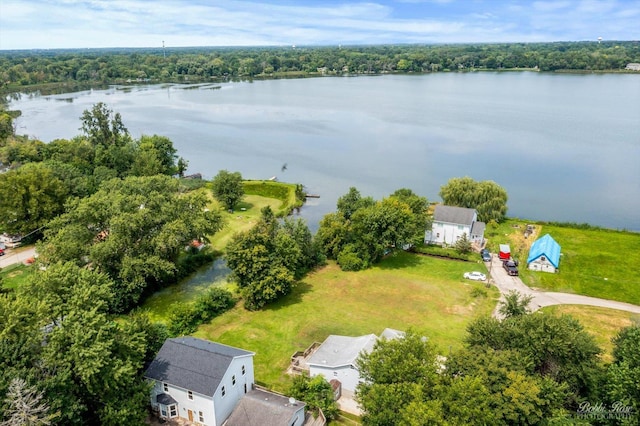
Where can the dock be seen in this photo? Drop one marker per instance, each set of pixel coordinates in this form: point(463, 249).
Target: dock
point(312, 195)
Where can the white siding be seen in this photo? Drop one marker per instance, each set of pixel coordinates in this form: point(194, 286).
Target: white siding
point(225, 404)
point(542, 265)
point(447, 233)
point(349, 376)
point(199, 403)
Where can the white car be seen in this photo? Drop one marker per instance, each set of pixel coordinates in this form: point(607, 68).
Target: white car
point(475, 276)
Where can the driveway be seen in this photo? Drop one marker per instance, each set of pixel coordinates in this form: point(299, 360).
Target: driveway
point(540, 299)
point(13, 256)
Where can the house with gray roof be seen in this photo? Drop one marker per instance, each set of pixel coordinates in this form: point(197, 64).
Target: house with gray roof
point(198, 380)
point(260, 407)
point(544, 255)
point(335, 358)
point(450, 223)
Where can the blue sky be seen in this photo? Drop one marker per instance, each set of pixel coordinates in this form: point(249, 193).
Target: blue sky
point(29, 24)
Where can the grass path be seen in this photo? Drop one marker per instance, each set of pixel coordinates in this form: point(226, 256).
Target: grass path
point(403, 291)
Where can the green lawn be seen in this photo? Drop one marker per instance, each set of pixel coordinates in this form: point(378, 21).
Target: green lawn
point(602, 323)
point(404, 290)
point(17, 275)
point(594, 262)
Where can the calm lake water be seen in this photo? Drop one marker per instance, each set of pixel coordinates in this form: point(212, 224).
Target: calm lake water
point(565, 147)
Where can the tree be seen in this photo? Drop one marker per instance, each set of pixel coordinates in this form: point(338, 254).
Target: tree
point(487, 197)
point(266, 259)
point(103, 127)
point(395, 374)
point(31, 196)
point(623, 375)
point(349, 203)
point(317, 393)
point(26, 406)
point(515, 304)
point(227, 188)
point(463, 245)
point(133, 230)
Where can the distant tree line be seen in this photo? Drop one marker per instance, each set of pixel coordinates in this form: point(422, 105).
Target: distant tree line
point(34, 67)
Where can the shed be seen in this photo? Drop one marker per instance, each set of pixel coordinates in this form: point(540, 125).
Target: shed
point(544, 255)
point(505, 252)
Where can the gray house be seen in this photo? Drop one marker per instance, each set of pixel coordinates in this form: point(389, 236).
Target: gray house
point(260, 407)
point(450, 223)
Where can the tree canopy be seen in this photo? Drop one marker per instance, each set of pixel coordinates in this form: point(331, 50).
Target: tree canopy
point(487, 197)
point(227, 188)
point(362, 230)
point(133, 230)
point(267, 259)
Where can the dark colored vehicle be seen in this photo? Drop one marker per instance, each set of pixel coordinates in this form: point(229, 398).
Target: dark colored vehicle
point(511, 267)
point(486, 256)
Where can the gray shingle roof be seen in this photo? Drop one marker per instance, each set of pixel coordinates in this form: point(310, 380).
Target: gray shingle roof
point(451, 214)
point(337, 351)
point(194, 364)
point(260, 408)
point(478, 228)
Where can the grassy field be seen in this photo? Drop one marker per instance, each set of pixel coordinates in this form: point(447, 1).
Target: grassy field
point(17, 275)
point(285, 192)
point(403, 291)
point(602, 323)
point(594, 262)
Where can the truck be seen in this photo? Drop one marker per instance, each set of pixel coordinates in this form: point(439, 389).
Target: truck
point(511, 267)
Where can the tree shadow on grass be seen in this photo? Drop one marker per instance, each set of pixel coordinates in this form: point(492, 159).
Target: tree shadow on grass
point(300, 289)
point(242, 205)
point(398, 260)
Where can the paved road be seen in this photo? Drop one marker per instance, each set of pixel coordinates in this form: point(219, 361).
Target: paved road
point(506, 283)
point(12, 257)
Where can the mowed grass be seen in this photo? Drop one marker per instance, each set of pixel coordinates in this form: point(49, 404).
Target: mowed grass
point(403, 291)
point(596, 263)
point(16, 276)
point(602, 323)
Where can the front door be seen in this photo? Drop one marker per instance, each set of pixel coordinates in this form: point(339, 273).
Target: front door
point(190, 413)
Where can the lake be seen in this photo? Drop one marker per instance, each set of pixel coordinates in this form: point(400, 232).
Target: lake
point(566, 147)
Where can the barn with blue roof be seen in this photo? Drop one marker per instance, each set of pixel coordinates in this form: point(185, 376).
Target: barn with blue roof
point(544, 255)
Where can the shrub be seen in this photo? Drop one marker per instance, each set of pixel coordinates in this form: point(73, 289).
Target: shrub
point(349, 260)
point(185, 319)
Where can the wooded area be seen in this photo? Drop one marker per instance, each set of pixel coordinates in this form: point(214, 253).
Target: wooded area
point(74, 66)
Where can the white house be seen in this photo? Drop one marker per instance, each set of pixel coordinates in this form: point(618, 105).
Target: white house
point(544, 255)
point(199, 380)
point(450, 223)
point(336, 357)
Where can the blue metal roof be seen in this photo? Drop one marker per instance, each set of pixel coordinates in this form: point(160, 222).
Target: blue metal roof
point(545, 246)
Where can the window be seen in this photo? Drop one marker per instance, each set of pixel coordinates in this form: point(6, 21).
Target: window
point(163, 411)
point(200, 417)
point(165, 387)
point(542, 258)
point(223, 391)
point(243, 370)
point(233, 380)
point(190, 395)
point(173, 410)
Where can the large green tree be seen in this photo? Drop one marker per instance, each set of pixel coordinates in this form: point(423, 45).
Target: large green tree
point(487, 197)
point(134, 230)
point(267, 259)
point(31, 196)
point(623, 384)
point(227, 188)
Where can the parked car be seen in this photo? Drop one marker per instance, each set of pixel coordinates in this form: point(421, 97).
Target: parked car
point(2, 249)
point(511, 267)
point(486, 256)
point(475, 276)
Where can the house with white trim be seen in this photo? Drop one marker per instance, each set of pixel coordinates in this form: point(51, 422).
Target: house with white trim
point(544, 255)
point(335, 358)
point(198, 380)
point(450, 223)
